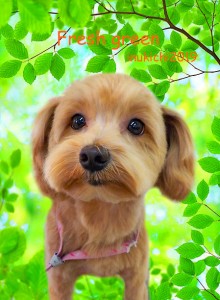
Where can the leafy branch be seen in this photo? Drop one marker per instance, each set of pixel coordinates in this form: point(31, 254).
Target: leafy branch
point(53, 46)
point(104, 59)
point(166, 19)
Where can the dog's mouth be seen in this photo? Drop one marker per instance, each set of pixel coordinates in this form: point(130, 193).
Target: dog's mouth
point(96, 182)
point(97, 178)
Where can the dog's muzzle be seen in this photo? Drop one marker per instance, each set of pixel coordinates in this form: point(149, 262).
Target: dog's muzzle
point(94, 158)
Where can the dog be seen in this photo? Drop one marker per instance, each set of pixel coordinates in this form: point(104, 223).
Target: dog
point(97, 150)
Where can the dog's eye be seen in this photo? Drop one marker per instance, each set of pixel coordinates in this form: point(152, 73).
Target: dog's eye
point(136, 127)
point(78, 121)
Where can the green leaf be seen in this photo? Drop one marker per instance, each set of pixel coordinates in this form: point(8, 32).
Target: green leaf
point(157, 32)
point(97, 63)
point(18, 250)
point(149, 50)
point(182, 8)
point(36, 275)
point(171, 270)
point(4, 193)
point(9, 207)
point(188, 2)
point(145, 26)
point(191, 209)
point(194, 30)
point(199, 267)
point(181, 279)
point(214, 179)
point(8, 183)
point(16, 48)
point(216, 128)
point(176, 39)
point(15, 158)
point(7, 31)
point(217, 245)
point(157, 71)
point(10, 68)
point(190, 250)
point(173, 15)
point(100, 49)
point(12, 197)
point(210, 164)
point(163, 291)
point(201, 221)
point(66, 53)
point(42, 63)
point(187, 266)
point(23, 293)
point(197, 237)
point(212, 278)
point(155, 271)
point(80, 286)
point(162, 88)
point(59, 24)
point(202, 190)
point(29, 73)
point(20, 31)
point(74, 13)
point(209, 7)
point(4, 167)
point(214, 147)
point(34, 15)
point(57, 67)
point(126, 30)
point(39, 37)
point(110, 67)
point(140, 75)
point(130, 51)
point(212, 261)
point(8, 239)
point(191, 198)
point(189, 45)
point(188, 292)
point(6, 10)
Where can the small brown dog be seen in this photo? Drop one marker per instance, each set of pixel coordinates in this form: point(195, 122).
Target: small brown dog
point(97, 150)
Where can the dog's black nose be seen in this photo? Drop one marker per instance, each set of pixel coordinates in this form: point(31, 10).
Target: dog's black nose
point(94, 158)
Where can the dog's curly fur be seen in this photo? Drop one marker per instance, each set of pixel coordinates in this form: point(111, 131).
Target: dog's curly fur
point(104, 216)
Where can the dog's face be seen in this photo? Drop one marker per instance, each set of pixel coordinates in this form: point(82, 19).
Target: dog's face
point(108, 138)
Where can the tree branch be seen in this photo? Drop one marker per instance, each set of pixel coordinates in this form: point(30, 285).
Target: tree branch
point(127, 13)
point(102, 5)
point(210, 207)
point(193, 75)
point(203, 14)
point(128, 44)
point(110, 5)
point(212, 27)
point(132, 6)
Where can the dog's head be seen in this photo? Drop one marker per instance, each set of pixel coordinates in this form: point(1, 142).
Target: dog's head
point(108, 138)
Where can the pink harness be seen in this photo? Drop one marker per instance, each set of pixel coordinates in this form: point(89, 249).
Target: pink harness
point(58, 259)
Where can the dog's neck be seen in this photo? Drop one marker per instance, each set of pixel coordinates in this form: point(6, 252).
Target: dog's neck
point(109, 221)
point(101, 223)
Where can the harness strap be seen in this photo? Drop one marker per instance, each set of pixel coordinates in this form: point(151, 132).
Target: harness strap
point(58, 259)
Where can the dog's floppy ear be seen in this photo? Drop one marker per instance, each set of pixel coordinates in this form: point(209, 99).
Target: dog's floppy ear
point(176, 177)
point(40, 138)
